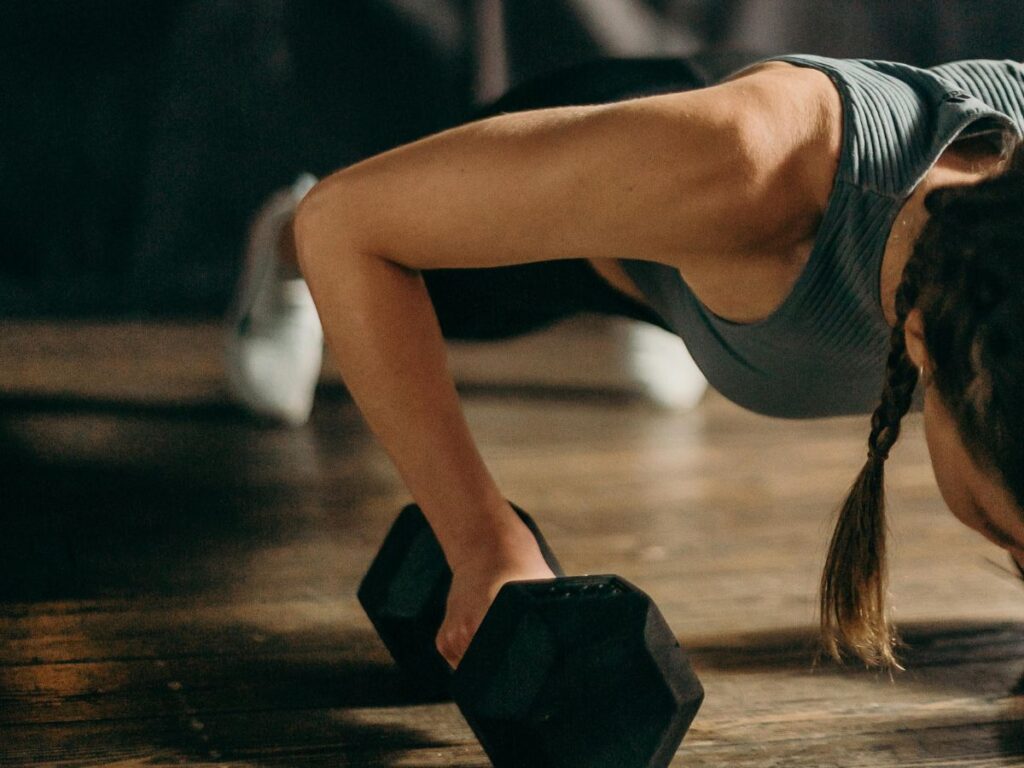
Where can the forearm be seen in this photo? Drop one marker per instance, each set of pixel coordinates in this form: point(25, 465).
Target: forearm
point(384, 335)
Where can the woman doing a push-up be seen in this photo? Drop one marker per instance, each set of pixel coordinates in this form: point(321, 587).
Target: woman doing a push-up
point(827, 236)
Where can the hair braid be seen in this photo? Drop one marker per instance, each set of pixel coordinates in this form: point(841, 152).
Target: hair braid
point(853, 584)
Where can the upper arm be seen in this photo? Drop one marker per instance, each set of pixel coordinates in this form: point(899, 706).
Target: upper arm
point(672, 178)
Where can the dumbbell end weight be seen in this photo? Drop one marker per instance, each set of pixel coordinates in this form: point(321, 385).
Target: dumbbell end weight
point(582, 672)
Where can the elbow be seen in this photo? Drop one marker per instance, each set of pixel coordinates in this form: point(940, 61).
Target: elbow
point(307, 210)
point(322, 228)
point(310, 225)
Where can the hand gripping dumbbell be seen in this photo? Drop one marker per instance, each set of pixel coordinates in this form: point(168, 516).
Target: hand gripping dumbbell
point(579, 672)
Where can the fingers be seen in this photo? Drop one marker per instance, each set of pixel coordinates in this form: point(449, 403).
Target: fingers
point(452, 641)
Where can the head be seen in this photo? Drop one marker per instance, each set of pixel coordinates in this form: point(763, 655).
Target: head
point(960, 335)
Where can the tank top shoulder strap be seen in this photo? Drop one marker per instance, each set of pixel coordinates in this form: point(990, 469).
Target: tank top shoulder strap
point(898, 119)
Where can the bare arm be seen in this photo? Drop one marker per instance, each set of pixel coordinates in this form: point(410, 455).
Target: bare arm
point(676, 179)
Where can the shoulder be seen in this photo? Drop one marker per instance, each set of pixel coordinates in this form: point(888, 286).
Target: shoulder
point(785, 123)
point(791, 123)
point(760, 152)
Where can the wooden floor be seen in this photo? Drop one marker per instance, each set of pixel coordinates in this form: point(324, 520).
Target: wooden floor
point(177, 583)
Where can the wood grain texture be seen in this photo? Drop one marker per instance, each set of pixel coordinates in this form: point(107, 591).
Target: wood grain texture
point(177, 583)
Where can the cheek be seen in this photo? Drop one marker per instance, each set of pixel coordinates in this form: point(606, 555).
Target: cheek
point(950, 487)
point(947, 464)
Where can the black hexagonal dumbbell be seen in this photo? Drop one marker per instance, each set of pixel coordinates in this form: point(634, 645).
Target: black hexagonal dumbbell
point(563, 673)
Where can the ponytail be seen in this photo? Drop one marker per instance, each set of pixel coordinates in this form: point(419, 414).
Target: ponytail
point(854, 616)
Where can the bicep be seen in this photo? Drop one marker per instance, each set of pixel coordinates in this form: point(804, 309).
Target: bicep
point(665, 178)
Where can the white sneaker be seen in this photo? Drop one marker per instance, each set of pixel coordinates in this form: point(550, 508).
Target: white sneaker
point(662, 367)
point(274, 344)
point(609, 354)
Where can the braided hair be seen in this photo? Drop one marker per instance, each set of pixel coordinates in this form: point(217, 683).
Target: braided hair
point(966, 276)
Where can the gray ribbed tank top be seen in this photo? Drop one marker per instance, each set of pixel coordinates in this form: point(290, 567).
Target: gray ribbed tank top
point(822, 352)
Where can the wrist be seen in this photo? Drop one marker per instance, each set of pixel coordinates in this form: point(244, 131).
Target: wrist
point(497, 535)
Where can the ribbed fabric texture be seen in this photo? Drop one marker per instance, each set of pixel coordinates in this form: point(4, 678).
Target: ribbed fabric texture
point(822, 352)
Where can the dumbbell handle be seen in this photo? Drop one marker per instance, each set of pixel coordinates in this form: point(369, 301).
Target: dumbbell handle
point(545, 550)
point(556, 657)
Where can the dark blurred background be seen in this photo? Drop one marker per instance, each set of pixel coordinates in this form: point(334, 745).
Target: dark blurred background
point(137, 136)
